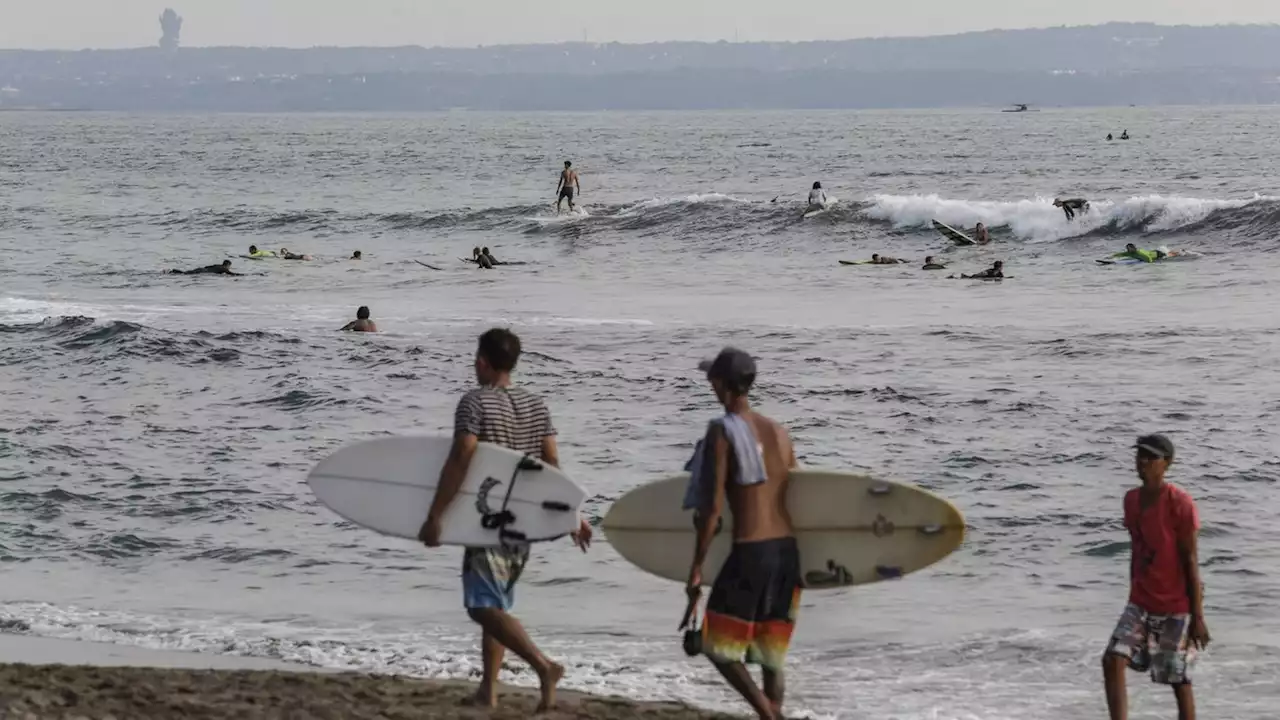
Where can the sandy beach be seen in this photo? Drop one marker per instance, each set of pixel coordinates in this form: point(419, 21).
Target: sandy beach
point(43, 678)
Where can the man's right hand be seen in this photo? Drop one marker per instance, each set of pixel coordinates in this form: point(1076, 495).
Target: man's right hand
point(429, 534)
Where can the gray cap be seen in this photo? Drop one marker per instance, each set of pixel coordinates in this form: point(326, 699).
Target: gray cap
point(732, 365)
point(1156, 445)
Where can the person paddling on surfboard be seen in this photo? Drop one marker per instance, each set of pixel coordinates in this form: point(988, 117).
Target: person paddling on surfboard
point(1162, 627)
point(929, 264)
point(878, 259)
point(995, 272)
point(567, 186)
point(222, 269)
point(478, 257)
point(817, 197)
point(496, 412)
point(1132, 251)
point(745, 459)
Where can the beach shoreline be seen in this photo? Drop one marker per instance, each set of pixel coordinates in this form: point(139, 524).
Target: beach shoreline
point(49, 678)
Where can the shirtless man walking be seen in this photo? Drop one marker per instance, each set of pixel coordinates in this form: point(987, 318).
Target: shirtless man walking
point(746, 458)
point(567, 186)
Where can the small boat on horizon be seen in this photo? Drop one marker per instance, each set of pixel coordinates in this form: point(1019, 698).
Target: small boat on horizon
point(1020, 108)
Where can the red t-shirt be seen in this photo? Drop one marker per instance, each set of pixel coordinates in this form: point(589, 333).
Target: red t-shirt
point(1159, 583)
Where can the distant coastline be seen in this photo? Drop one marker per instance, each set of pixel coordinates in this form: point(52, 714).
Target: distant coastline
point(1117, 64)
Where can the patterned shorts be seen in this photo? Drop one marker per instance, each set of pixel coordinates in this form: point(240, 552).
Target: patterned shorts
point(1158, 644)
point(489, 576)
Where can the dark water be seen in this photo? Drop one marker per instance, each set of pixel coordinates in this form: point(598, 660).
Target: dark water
point(157, 430)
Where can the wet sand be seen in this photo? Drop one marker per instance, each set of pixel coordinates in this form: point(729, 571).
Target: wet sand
point(65, 680)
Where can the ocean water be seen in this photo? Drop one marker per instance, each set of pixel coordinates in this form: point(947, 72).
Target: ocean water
point(157, 430)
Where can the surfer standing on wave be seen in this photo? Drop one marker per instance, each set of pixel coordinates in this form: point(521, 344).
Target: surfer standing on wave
point(746, 459)
point(1069, 207)
point(567, 186)
point(496, 412)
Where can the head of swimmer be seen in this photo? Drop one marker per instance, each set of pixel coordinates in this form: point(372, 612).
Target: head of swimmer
point(875, 256)
point(1057, 202)
point(999, 265)
point(567, 164)
point(928, 259)
point(253, 249)
point(226, 263)
point(362, 313)
point(475, 252)
point(356, 255)
point(1131, 248)
point(817, 186)
point(496, 356)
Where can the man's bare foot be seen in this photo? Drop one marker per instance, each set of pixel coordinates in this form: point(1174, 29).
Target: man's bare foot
point(483, 698)
point(549, 680)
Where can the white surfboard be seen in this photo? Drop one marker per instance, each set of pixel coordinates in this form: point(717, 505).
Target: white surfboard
point(851, 529)
point(387, 485)
point(953, 234)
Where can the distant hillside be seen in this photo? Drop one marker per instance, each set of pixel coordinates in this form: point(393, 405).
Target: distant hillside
point(1106, 64)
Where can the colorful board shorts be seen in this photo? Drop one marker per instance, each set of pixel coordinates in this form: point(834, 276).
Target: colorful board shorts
point(752, 610)
point(489, 576)
point(1159, 644)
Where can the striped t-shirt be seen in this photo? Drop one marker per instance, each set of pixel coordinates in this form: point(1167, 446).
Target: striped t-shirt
point(508, 416)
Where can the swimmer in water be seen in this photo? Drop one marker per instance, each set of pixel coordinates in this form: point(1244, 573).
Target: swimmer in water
point(362, 323)
point(284, 253)
point(817, 197)
point(489, 256)
point(980, 235)
point(1069, 207)
point(356, 255)
point(929, 264)
point(567, 186)
point(223, 269)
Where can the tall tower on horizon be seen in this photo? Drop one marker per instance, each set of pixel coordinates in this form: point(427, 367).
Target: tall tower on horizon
point(171, 27)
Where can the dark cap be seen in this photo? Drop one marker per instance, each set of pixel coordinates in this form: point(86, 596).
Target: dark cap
point(733, 366)
point(1157, 445)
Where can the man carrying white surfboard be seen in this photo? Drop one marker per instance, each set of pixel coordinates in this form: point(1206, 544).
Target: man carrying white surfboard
point(509, 416)
point(746, 458)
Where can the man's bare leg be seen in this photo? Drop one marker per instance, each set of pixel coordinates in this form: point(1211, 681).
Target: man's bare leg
point(1186, 701)
point(491, 653)
point(738, 677)
point(775, 686)
point(508, 631)
point(1113, 667)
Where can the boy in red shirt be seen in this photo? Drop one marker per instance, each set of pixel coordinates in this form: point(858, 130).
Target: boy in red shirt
point(1163, 623)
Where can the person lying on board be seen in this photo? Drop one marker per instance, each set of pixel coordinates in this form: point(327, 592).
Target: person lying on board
point(878, 259)
point(995, 272)
point(482, 258)
point(929, 264)
point(284, 253)
point(1132, 251)
point(223, 269)
point(255, 252)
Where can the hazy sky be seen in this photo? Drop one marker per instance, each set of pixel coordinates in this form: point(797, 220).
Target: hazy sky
point(132, 23)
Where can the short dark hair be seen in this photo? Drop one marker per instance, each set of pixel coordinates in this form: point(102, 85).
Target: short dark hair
point(226, 262)
point(500, 348)
point(363, 312)
point(567, 163)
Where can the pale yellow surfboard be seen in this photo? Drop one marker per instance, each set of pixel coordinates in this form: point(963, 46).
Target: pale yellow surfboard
point(851, 529)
